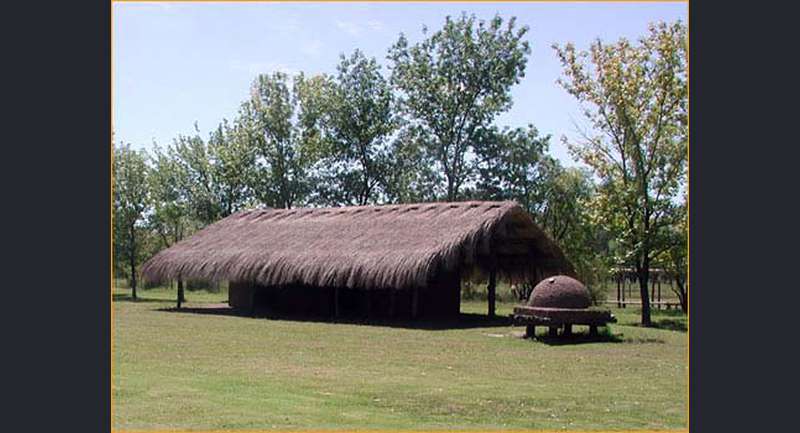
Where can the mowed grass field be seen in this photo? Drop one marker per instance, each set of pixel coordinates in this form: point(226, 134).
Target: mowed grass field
point(188, 371)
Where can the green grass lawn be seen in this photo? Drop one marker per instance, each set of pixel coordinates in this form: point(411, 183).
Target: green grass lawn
point(211, 372)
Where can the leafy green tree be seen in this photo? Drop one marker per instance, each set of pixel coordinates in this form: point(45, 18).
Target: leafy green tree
point(357, 120)
point(282, 162)
point(412, 178)
point(567, 214)
point(454, 83)
point(130, 206)
point(214, 177)
point(565, 198)
point(233, 163)
point(170, 208)
point(195, 174)
point(511, 165)
point(170, 217)
point(635, 99)
point(514, 165)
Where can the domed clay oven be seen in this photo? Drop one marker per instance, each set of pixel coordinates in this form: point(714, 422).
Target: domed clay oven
point(560, 302)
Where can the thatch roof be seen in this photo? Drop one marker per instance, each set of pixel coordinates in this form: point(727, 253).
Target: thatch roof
point(392, 246)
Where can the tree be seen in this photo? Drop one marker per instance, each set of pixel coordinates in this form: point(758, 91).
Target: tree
point(454, 83)
point(130, 205)
point(564, 200)
point(233, 160)
point(214, 177)
point(195, 174)
point(412, 178)
point(511, 165)
point(357, 120)
point(635, 99)
point(281, 162)
point(170, 216)
point(568, 215)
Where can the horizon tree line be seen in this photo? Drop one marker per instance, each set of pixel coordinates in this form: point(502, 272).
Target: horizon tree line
point(426, 132)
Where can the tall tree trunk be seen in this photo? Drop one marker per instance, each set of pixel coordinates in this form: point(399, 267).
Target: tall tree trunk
point(451, 183)
point(132, 259)
point(644, 276)
point(682, 294)
point(133, 276)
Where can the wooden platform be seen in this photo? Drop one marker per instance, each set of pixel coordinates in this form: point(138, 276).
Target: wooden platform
point(560, 318)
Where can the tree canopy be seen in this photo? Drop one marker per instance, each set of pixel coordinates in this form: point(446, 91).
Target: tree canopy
point(635, 99)
point(130, 204)
point(357, 121)
point(453, 84)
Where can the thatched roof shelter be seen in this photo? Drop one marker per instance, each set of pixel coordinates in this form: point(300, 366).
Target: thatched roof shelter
point(366, 247)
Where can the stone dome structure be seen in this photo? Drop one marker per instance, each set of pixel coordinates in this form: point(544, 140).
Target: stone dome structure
point(560, 291)
point(560, 302)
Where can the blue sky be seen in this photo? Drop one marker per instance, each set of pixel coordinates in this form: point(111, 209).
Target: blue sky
point(175, 64)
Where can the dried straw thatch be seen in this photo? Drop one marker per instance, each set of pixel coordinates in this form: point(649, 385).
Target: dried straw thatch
point(393, 246)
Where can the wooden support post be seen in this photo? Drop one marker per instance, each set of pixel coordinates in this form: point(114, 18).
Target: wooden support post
point(530, 331)
point(492, 292)
point(619, 292)
point(181, 297)
point(593, 330)
point(415, 303)
point(457, 297)
point(553, 332)
point(624, 288)
point(567, 330)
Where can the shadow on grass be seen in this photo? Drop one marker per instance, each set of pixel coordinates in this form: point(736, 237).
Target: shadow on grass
point(670, 324)
point(603, 336)
point(600, 338)
point(670, 320)
point(579, 338)
point(677, 312)
point(665, 324)
point(463, 321)
point(119, 297)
